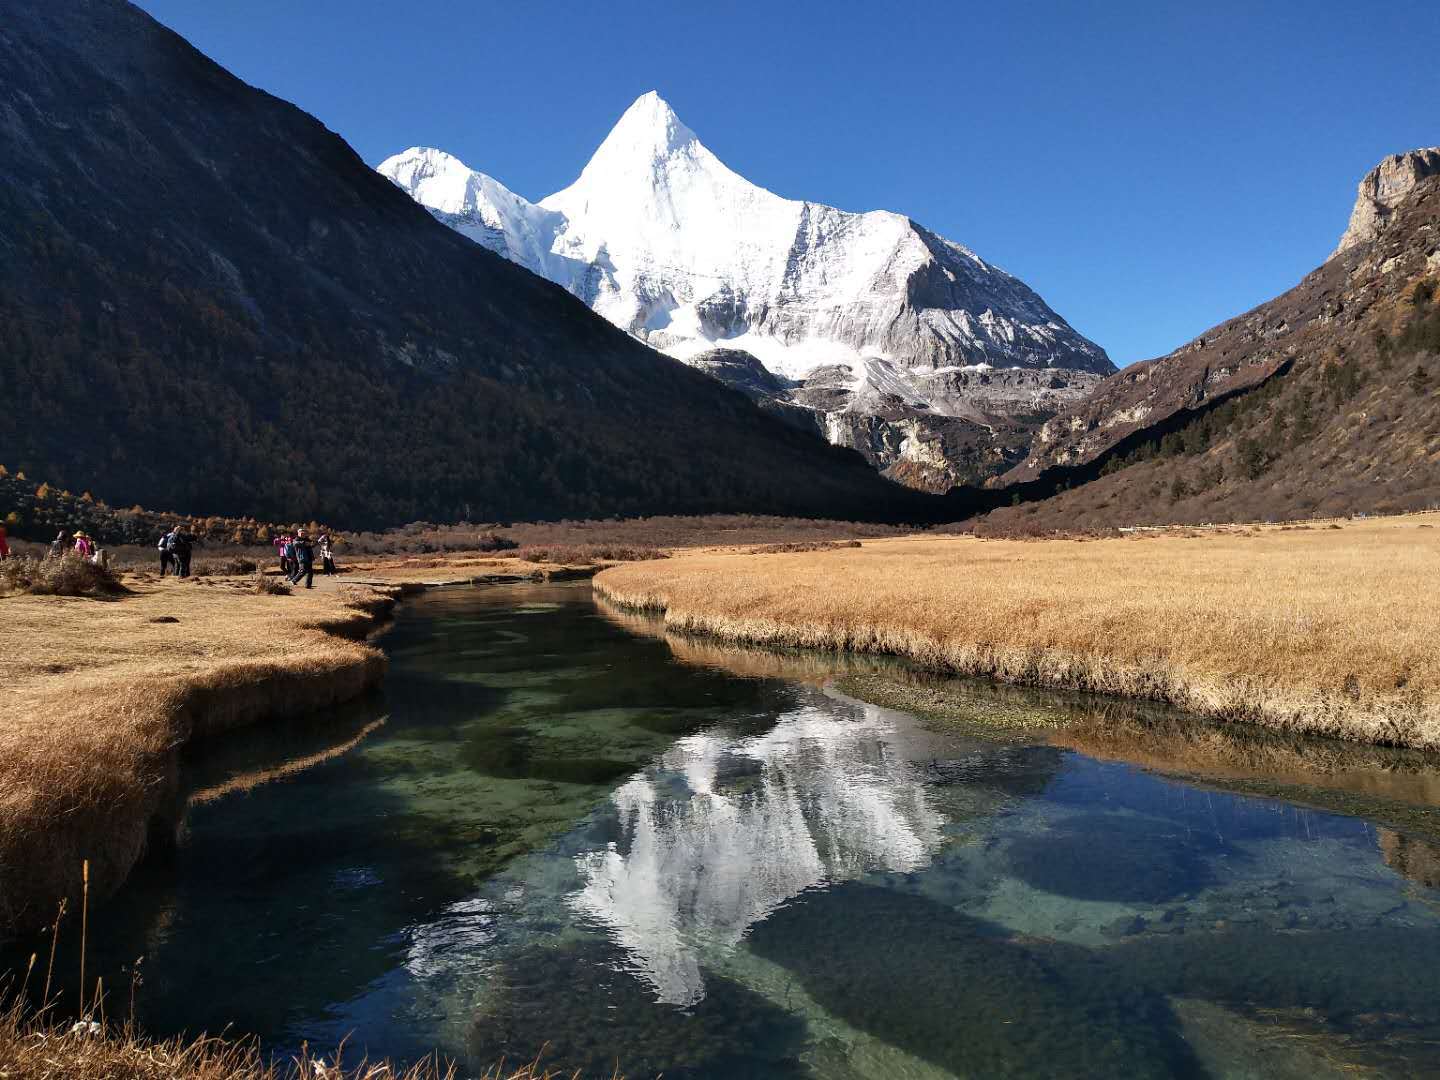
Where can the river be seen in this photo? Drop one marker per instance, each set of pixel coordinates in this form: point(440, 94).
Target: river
point(557, 831)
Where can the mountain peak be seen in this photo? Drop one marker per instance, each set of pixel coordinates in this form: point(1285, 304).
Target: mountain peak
point(1383, 189)
point(422, 163)
point(648, 151)
point(649, 123)
point(442, 181)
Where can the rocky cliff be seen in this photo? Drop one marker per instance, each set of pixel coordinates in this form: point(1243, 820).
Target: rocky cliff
point(1385, 188)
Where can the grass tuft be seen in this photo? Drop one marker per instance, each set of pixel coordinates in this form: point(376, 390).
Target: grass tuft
point(35, 1046)
point(65, 575)
point(584, 554)
point(797, 548)
point(229, 566)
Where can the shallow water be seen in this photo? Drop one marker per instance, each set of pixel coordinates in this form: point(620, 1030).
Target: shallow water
point(552, 832)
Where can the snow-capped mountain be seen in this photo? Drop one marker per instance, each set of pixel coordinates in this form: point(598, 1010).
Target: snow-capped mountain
point(887, 337)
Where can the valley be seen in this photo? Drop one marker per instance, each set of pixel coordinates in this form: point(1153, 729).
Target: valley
point(676, 626)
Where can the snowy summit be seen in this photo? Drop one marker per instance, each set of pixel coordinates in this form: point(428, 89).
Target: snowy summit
point(665, 241)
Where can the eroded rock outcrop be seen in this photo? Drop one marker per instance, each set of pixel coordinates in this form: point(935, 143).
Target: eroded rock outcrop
point(1384, 188)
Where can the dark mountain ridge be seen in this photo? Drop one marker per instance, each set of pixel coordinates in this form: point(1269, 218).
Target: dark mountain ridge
point(208, 301)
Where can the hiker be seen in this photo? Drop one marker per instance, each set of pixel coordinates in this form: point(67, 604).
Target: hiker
point(327, 557)
point(4, 544)
point(167, 552)
point(84, 546)
point(60, 545)
point(181, 548)
point(279, 544)
point(287, 555)
point(302, 555)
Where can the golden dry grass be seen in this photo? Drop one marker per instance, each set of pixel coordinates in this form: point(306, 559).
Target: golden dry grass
point(96, 695)
point(34, 1048)
point(1326, 631)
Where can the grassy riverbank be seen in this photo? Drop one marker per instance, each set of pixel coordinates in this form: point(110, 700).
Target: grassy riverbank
point(1325, 630)
point(98, 694)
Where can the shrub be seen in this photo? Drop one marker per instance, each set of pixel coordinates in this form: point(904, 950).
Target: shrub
point(270, 586)
point(814, 545)
point(493, 541)
point(1421, 334)
point(1423, 293)
point(1253, 459)
point(235, 566)
point(67, 575)
point(588, 553)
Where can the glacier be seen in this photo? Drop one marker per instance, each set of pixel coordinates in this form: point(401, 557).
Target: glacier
point(881, 335)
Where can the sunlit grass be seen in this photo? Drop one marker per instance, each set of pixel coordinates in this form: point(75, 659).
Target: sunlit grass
point(1329, 631)
point(97, 694)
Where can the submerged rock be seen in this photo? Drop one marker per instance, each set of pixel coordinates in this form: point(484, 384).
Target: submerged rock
point(576, 1008)
point(1117, 857)
point(1341, 975)
point(947, 988)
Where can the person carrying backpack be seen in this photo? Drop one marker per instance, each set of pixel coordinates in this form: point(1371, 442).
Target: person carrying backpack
point(167, 552)
point(327, 556)
point(60, 544)
point(302, 556)
point(182, 547)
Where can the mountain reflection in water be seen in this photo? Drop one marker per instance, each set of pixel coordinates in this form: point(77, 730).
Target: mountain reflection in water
point(720, 832)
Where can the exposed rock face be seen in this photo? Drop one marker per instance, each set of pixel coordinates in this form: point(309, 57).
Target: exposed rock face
point(740, 371)
point(1384, 188)
point(669, 244)
point(930, 431)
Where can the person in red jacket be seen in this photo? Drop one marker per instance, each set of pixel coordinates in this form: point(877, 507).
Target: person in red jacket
point(4, 544)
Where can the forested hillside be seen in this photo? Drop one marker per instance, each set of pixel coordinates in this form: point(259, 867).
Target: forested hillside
point(209, 302)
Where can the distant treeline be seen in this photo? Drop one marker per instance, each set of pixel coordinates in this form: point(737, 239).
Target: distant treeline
point(37, 511)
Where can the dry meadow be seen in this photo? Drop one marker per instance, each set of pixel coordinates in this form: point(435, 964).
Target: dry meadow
point(1327, 629)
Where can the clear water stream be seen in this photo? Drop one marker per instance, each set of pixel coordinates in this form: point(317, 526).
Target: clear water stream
point(553, 833)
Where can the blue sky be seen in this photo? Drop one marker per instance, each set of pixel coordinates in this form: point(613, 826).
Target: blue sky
point(1150, 168)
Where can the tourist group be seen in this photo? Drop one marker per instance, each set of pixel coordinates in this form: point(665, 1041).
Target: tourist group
point(297, 556)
